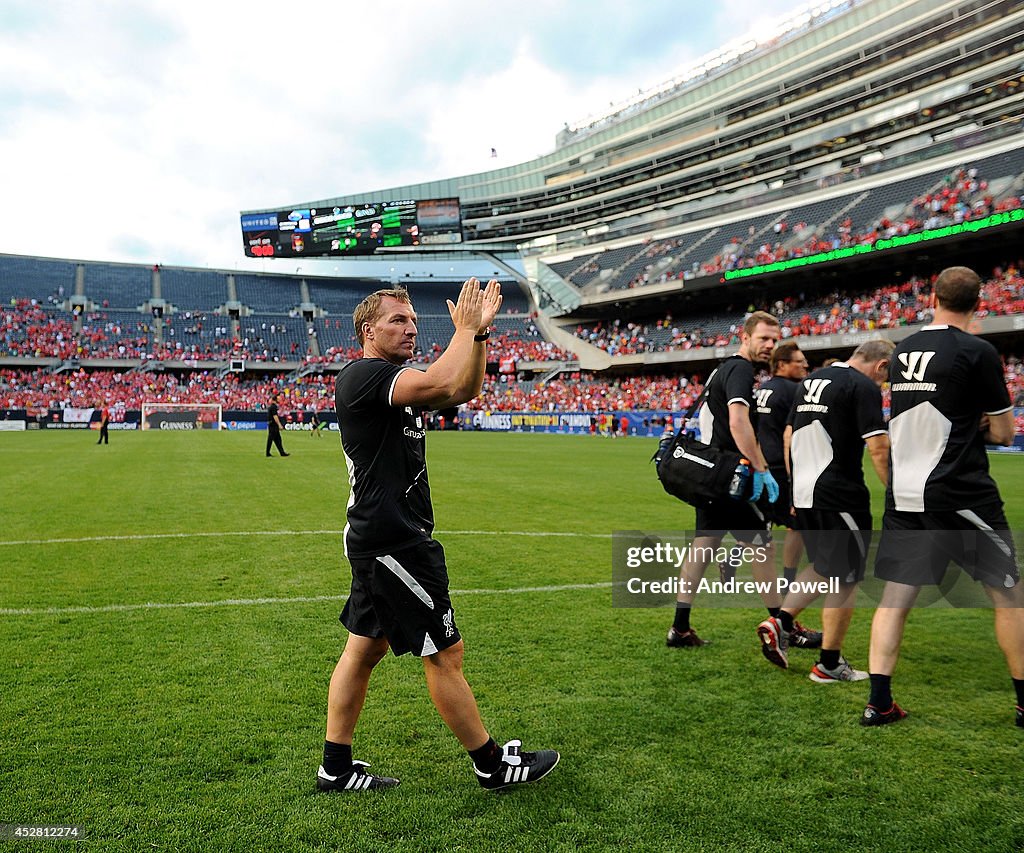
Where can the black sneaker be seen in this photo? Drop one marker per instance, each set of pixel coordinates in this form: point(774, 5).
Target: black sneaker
point(726, 573)
point(356, 779)
point(873, 717)
point(1020, 717)
point(804, 638)
point(518, 767)
point(686, 639)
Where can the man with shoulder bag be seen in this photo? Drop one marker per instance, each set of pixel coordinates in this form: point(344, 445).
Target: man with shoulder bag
point(728, 425)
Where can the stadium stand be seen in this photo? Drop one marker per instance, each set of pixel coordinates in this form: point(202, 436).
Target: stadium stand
point(274, 337)
point(902, 207)
point(115, 334)
point(339, 298)
point(195, 336)
point(841, 312)
point(867, 119)
point(193, 290)
point(118, 285)
point(33, 331)
point(266, 295)
point(42, 279)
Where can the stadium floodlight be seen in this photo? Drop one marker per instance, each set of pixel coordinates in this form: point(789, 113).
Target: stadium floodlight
point(182, 416)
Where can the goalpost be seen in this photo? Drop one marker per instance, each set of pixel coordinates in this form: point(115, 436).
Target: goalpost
point(182, 416)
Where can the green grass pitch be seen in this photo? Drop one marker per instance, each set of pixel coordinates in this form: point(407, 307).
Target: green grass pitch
point(168, 626)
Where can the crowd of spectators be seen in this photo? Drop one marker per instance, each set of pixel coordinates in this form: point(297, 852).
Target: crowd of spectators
point(883, 308)
point(40, 389)
point(583, 392)
point(37, 390)
point(963, 196)
point(515, 345)
point(29, 329)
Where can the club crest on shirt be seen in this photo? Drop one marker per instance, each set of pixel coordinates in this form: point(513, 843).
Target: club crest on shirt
point(419, 433)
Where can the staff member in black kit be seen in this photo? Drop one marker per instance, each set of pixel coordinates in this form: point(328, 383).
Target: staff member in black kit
point(837, 412)
point(728, 420)
point(949, 400)
point(774, 400)
point(399, 599)
point(274, 427)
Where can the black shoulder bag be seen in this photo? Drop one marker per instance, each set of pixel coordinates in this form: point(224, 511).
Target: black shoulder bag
point(692, 471)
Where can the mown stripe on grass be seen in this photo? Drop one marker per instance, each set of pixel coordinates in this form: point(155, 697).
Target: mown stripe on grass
point(254, 602)
point(133, 537)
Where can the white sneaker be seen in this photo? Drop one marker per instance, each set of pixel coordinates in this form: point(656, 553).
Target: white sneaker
point(843, 672)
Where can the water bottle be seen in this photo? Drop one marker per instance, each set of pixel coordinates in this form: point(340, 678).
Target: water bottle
point(740, 487)
point(663, 445)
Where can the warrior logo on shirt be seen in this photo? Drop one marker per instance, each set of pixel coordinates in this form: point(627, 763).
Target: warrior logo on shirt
point(813, 389)
point(763, 395)
point(915, 364)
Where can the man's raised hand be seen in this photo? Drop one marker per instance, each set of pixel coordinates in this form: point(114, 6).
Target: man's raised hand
point(491, 304)
point(468, 312)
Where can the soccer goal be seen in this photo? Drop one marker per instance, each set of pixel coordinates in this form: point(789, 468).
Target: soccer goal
point(182, 416)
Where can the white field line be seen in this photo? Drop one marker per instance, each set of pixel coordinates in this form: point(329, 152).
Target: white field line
point(254, 602)
point(141, 537)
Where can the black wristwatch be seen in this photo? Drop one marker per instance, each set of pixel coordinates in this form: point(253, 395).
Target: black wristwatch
point(481, 338)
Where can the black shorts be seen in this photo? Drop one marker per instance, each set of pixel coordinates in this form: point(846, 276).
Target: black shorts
point(916, 548)
point(779, 512)
point(403, 596)
point(744, 520)
point(837, 542)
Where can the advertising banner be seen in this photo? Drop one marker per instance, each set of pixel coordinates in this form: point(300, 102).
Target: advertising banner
point(76, 416)
point(644, 423)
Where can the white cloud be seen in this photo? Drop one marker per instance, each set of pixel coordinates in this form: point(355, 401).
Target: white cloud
point(136, 131)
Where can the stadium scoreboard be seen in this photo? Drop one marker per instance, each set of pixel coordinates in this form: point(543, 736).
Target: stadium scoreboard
point(359, 229)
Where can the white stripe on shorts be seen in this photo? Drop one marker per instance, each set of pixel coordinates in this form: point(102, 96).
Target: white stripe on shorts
point(852, 524)
point(399, 571)
point(975, 519)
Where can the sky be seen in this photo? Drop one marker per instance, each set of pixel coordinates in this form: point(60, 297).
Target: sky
point(136, 130)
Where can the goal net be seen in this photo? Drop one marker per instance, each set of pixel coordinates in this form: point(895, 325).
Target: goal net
point(182, 416)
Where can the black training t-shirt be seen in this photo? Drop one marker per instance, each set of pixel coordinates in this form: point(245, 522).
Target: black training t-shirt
point(385, 451)
point(774, 400)
point(942, 381)
point(731, 382)
point(835, 410)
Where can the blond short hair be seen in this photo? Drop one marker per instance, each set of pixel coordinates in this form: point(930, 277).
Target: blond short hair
point(759, 317)
point(369, 309)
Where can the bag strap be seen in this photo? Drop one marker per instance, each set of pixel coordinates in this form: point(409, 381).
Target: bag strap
point(696, 406)
point(703, 394)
